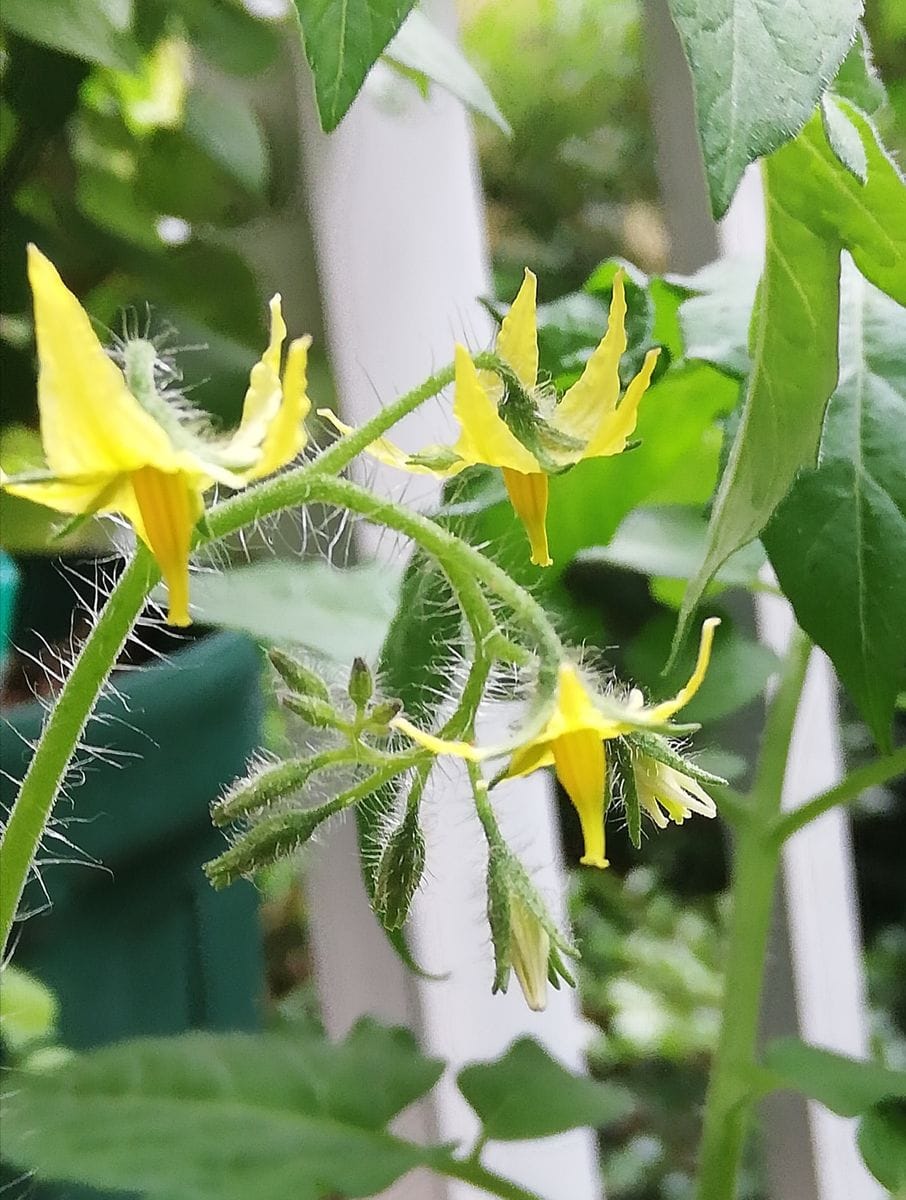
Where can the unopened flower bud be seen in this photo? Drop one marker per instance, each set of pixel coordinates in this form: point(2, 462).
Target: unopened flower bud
point(266, 843)
point(297, 677)
point(315, 711)
point(399, 872)
point(361, 684)
point(530, 946)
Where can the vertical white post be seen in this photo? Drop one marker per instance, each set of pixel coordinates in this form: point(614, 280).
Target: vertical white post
point(398, 228)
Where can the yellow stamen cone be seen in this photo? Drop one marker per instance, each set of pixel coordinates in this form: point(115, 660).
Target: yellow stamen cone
point(169, 509)
point(581, 767)
point(528, 496)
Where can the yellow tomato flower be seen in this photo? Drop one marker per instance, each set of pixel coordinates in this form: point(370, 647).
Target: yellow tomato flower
point(572, 739)
point(118, 447)
point(590, 421)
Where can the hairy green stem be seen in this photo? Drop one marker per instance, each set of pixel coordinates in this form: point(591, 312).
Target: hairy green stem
point(62, 730)
point(873, 774)
point(757, 856)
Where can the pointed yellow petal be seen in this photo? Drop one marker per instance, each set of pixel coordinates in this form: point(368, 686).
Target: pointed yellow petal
point(391, 455)
point(581, 768)
point(435, 744)
point(517, 341)
point(166, 508)
point(595, 393)
point(82, 494)
point(484, 436)
point(530, 758)
point(90, 422)
point(659, 713)
point(286, 435)
point(263, 396)
point(616, 428)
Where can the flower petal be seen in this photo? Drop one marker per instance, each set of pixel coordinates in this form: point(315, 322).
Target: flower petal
point(165, 510)
point(82, 494)
point(286, 436)
point(659, 713)
point(485, 437)
point(528, 496)
point(391, 455)
point(91, 424)
point(517, 341)
point(594, 395)
point(435, 744)
point(264, 393)
point(616, 428)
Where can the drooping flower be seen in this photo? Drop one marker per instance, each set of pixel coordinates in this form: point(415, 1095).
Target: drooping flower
point(589, 421)
point(114, 444)
point(572, 740)
point(663, 789)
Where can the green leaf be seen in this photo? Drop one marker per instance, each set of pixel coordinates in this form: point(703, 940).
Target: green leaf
point(838, 541)
point(528, 1094)
point(668, 541)
point(882, 1144)
point(421, 47)
point(715, 319)
point(205, 1116)
point(858, 80)
point(814, 209)
point(338, 613)
point(846, 1086)
point(343, 40)
point(99, 31)
point(733, 48)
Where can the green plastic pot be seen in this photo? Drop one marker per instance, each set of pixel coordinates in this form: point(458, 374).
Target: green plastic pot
point(139, 943)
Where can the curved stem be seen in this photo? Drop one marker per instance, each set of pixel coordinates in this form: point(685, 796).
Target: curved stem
point(729, 1098)
point(470, 1171)
point(873, 774)
point(62, 730)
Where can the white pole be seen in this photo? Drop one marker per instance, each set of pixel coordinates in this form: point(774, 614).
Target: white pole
point(397, 218)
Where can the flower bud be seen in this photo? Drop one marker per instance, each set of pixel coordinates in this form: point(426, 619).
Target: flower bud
point(266, 843)
point(315, 711)
point(297, 677)
point(361, 684)
point(530, 946)
point(399, 872)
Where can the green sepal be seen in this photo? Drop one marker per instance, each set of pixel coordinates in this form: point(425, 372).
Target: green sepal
point(441, 458)
point(297, 677)
point(380, 716)
point(620, 756)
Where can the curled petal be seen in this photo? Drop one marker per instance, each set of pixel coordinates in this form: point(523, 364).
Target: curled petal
point(264, 394)
point(435, 744)
point(659, 713)
point(285, 436)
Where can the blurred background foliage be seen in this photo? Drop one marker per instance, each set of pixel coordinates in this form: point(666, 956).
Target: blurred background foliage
point(153, 151)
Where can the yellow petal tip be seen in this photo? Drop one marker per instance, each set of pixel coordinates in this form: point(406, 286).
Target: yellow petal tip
point(592, 860)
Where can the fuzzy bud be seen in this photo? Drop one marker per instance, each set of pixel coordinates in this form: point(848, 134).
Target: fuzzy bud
point(266, 843)
point(399, 872)
point(297, 677)
point(319, 713)
point(361, 685)
point(263, 789)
